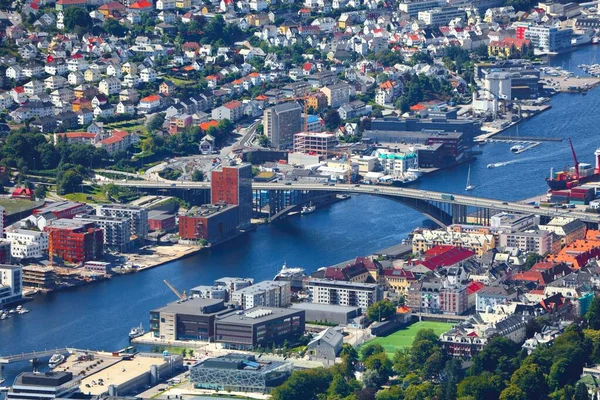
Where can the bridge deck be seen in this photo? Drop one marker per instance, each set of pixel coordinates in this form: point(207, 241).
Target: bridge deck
point(400, 192)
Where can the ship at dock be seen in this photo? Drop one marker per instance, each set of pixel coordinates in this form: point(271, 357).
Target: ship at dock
point(576, 175)
point(293, 275)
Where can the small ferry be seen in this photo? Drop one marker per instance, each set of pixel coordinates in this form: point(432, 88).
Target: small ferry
point(308, 209)
point(136, 331)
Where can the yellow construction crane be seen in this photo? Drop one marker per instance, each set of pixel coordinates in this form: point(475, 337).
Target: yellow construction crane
point(181, 296)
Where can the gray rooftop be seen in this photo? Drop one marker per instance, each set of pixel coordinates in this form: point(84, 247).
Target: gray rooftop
point(192, 306)
point(256, 315)
point(324, 307)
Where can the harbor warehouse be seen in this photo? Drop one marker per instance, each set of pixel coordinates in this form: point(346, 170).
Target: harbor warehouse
point(259, 326)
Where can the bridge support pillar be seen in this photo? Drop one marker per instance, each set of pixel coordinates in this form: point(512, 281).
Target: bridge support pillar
point(459, 214)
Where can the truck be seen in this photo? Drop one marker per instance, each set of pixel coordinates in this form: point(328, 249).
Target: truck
point(447, 197)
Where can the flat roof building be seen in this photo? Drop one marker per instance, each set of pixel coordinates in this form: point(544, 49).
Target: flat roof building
point(259, 326)
point(116, 231)
point(191, 319)
point(341, 315)
point(325, 291)
point(240, 373)
point(138, 217)
point(43, 385)
point(265, 293)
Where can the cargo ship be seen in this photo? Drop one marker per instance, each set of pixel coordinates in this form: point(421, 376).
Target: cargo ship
point(575, 176)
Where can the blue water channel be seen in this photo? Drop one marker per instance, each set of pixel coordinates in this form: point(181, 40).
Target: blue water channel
point(99, 316)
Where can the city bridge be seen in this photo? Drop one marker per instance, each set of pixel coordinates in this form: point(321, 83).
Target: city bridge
point(444, 209)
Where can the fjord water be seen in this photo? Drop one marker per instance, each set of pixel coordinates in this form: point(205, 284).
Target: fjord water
point(99, 316)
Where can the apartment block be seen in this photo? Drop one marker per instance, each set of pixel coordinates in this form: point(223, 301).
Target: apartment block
point(281, 122)
point(137, 216)
point(266, 293)
point(324, 291)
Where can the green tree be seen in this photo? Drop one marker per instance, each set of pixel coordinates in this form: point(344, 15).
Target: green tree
point(198, 176)
point(70, 182)
point(531, 260)
point(380, 363)
point(340, 387)
point(332, 119)
point(40, 191)
point(513, 392)
point(393, 393)
point(530, 379)
point(581, 392)
point(156, 122)
point(593, 314)
point(113, 27)
point(77, 19)
point(558, 376)
point(371, 378)
point(304, 384)
point(371, 348)
point(381, 310)
point(480, 387)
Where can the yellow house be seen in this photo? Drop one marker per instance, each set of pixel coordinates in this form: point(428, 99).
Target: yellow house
point(398, 280)
point(183, 3)
point(508, 47)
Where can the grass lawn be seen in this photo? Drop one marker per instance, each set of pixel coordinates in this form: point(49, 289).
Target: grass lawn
point(404, 337)
point(180, 82)
point(14, 206)
point(91, 194)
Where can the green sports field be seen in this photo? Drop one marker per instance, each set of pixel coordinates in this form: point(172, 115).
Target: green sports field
point(404, 337)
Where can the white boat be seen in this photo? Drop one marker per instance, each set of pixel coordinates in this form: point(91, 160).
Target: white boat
point(469, 185)
point(3, 316)
point(308, 209)
point(517, 147)
point(491, 165)
point(136, 331)
point(56, 360)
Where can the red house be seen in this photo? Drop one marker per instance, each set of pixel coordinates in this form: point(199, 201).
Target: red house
point(22, 193)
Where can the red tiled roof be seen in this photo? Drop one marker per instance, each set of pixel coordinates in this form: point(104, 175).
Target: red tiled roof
point(119, 133)
point(261, 97)
point(205, 125)
point(113, 5)
point(307, 66)
point(22, 192)
point(140, 4)
point(77, 135)
point(232, 104)
point(437, 250)
point(70, 2)
point(151, 98)
point(447, 258)
point(474, 287)
point(111, 140)
point(399, 273)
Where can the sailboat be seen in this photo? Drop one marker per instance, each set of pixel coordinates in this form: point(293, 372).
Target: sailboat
point(469, 185)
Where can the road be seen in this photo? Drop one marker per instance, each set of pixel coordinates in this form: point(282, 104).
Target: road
point(497, 205)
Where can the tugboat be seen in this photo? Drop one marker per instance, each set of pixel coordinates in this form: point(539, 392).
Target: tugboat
point(308, 209)
point(136, 331)
point(56, 360)
point(292, 275)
